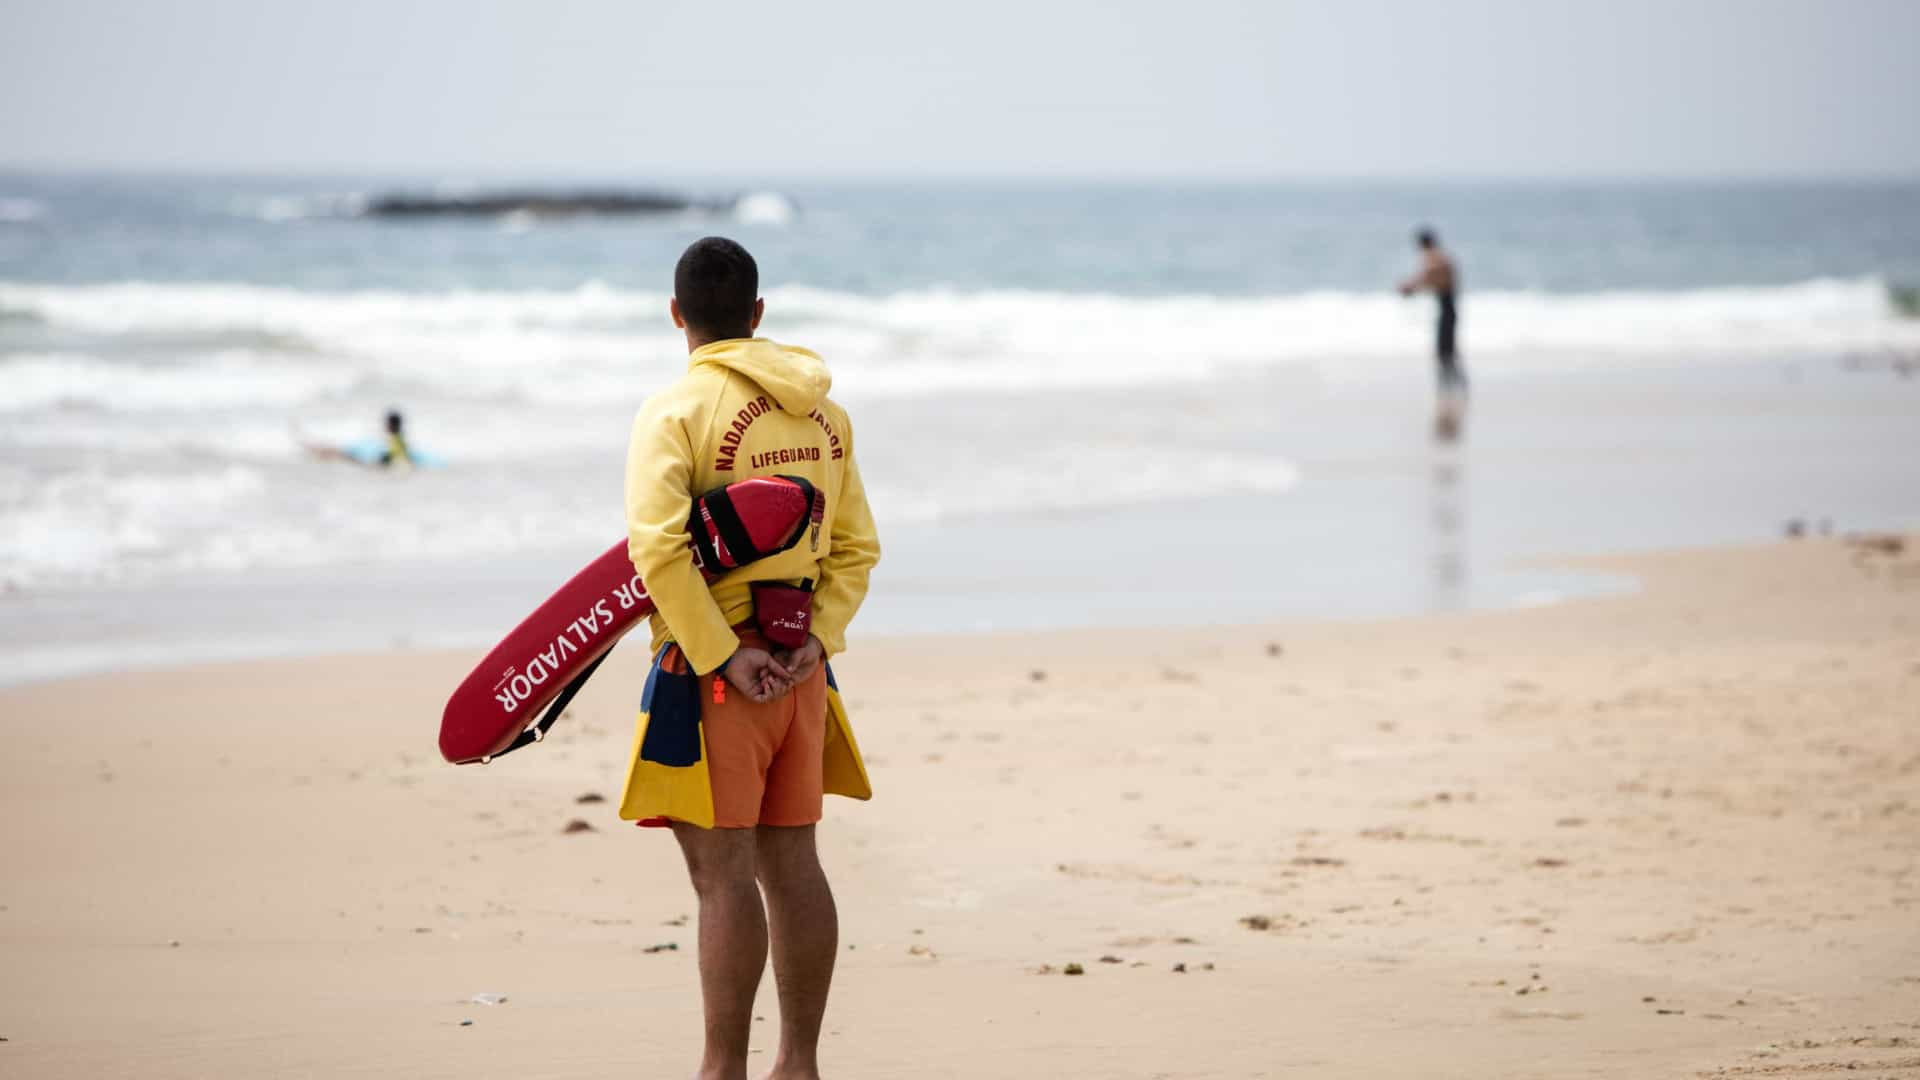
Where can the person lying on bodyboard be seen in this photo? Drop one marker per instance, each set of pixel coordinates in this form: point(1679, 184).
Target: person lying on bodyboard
point(389, 453)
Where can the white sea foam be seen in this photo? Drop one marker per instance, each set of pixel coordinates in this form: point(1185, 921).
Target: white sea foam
point(282, 208)
point(147, 425)
point(93, 523)
point(18, 210)
point(928, 341)
point(764, 208)
point(42, 381)
point(104, 525)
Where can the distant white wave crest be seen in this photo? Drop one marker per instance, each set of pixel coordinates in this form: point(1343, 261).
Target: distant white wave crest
point(999, 336)
point(282, 208)
point(764, 208)
point(231, 379)
point(17, 210)
point(596, 343)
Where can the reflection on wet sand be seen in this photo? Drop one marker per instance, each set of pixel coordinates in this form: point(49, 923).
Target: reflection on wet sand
point(1448, 518)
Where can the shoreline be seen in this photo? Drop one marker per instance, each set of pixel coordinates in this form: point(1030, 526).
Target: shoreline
point(1670, 832)
point(141, 613)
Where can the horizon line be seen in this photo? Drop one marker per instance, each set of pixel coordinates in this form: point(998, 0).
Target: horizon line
point(635, 178)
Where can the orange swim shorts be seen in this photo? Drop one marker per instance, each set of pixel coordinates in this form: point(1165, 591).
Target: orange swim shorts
point(765, 759)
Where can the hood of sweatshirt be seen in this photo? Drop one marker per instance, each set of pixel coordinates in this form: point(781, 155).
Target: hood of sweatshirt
point(796, 378)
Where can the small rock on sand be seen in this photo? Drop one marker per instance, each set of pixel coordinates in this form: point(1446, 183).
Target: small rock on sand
point(1110, 959)
point(1180, 969)
point(577, 825)
point(1274, 649)
point(1878, 543)
point(1073, 969)
point(1256, 922)
point(667, 946)
point(591, 797)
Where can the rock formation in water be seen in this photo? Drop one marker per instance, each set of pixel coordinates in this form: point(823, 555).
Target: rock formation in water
point(536, 203)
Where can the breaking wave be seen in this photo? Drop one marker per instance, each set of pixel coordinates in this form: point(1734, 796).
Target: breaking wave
point(605, 339)
point(151, 428)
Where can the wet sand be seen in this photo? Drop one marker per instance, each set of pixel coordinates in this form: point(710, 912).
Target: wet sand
point(1671, 833)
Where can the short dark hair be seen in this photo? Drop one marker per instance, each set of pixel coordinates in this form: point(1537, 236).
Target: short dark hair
point(716, 283)
point(1426, 237)
point(394, 421)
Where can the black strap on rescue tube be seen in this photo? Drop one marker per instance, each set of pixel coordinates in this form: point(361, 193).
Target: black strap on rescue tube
point(539, 731)
point(718, 504)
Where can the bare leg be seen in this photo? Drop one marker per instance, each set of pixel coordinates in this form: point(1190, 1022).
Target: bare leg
point(806, 937)
point(733, 941)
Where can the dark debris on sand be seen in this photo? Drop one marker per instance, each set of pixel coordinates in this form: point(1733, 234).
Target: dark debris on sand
point(577, 825)
point(1877, 543)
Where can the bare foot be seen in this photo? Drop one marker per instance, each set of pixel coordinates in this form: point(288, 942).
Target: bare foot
point(792, 1072)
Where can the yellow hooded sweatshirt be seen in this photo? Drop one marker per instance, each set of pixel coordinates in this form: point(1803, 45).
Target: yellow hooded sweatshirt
point(746, 407)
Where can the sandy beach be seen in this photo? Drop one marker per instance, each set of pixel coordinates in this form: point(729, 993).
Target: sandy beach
point(1398, 538)
point(1672, 833)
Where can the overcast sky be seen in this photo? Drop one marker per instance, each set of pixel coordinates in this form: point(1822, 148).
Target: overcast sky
point(1015, 87)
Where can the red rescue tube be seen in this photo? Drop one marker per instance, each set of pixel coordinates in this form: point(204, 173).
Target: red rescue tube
point(509, 689)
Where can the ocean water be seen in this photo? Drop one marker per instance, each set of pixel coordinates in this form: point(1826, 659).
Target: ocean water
point(1102, 350)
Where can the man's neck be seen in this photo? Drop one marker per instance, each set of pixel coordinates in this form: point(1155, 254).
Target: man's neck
point(698, 341)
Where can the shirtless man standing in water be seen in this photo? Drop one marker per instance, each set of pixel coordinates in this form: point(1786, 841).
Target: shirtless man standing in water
point(1438, 276)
